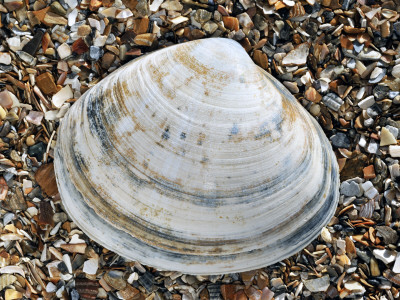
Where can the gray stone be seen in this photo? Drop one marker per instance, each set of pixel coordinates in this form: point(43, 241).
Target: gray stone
point(317, 284)
point(350, 189)
point(367, 102)
point(393, 130)
point(381, 92)
point(202, 16)
point(340, 140)
point(333, 101)
point(377, 75)
point(95, 52)
point(373, 147)
point(396, 27)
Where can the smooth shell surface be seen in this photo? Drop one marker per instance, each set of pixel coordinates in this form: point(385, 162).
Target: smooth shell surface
point(194, 159)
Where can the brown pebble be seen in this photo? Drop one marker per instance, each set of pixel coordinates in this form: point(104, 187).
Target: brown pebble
point(46, 83)
point(240, 295)
point(53, 19)
point(75, 248)
point(129, 292)
point(79, 46)
point(260, 58)
point(141, 26)
point(107, 60)
point(84, 30)
point(86, 288)
point(369, 172)
point(227, 291)
point(312, 95)
point(46, 178)
point(231, 23)
point(145, 39)
point(246, 44)
point(45, 213)
point(3, 189)
point(30, 140)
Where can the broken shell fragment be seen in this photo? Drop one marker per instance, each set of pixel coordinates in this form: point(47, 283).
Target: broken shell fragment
point(194, 159)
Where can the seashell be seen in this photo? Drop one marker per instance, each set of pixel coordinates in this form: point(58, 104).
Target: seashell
point(6, 280)
point(194, 159)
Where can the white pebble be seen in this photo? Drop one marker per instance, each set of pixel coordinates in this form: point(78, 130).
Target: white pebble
point(363, 141)
point(396, 267)
point(373, 147)
point(50, 287)
point(133, 277)
point(55, 229)
point(326, 235)
point(62, 95)
point(32, 211)
point(14, 43)
point(394, 151)
point(355, 287)
point(64, 50)
point(384, 255)
point(5, 58)
point(367, 102)
point(67, 260)
point(90, 266)
point(72, 3)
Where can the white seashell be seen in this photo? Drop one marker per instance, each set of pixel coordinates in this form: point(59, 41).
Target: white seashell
point(12, 270)
point(194, 159)
point(6, 279)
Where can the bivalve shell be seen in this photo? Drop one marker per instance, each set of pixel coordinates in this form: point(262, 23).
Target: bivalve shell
point(194, 159)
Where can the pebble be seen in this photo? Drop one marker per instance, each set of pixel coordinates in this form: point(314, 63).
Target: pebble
point(145, 39)
point(355, 287)
point(64, 51)
point(393, 130)
point(210, 27)
point(326, 235)
point(90, 266)
point(37, 150)
point(333, 101)
point(373, 147)
point(5, 58)
point(84, 30)
point(33, 45)
point(367, 102)
point(95, 52)
point(318, 284)
point(231, 23)
point(396, 266)
point(202, 16)
point(394, 151)
point(377, 75)
point(340, 140)
point(374, 267)
point(297, 56)
point(350, 189)
point(172, 5)
point(62, 95)
point(115, 279)
point(387, 138)
point(276, 282)
point(369, 190)
point(385, 255)
point(369, 55)
point(147, 281)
